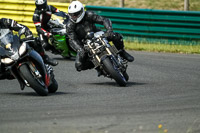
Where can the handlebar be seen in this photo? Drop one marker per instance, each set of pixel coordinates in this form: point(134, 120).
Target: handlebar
point(59, 31)
point(91, 35)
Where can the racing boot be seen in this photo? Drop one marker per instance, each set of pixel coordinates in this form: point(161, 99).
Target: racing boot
point(38, 47)
point(48, 60)
point(78, 62)
point(126, 55)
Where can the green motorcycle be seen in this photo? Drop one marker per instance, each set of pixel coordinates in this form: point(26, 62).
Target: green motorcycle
point(59, 39)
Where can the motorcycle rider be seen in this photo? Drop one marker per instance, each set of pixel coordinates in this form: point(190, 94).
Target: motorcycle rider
point(80, 23)
point(41, 17)
point(6, 23)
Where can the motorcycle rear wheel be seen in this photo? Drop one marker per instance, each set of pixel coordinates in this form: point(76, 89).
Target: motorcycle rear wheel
point(114, 72)
point(36, 84)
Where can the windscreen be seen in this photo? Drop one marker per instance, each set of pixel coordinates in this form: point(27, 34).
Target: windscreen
point(6, 37)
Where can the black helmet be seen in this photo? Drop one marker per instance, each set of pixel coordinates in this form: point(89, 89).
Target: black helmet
point(41, 4)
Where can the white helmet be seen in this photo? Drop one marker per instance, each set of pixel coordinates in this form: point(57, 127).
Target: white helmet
point(41, 4)
point(76, 11)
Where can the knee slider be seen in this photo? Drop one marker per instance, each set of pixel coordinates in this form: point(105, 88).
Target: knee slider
point(78, 66)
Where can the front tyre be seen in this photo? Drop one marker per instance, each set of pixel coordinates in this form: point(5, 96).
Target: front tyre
point(53, 87)
point(35, 83)
point(114, 72)
point(126, 76)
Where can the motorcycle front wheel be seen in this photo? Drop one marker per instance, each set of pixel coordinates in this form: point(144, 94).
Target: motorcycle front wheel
point(36, 83)
point(53, 87)
point(126, 76)
point(114, 72)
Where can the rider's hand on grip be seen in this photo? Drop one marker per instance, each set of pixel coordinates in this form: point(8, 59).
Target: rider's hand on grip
point(109, 34)
point(48, 34)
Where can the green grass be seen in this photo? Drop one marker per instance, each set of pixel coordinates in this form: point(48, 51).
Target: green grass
point(186, 49)
point(149, 4)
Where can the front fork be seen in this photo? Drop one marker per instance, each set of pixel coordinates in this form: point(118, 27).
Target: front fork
point(118, 62)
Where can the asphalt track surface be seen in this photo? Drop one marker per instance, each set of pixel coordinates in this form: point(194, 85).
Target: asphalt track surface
point(163, 90)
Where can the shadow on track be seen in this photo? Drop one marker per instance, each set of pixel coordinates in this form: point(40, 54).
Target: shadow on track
point(134, 84)
point(64, 59)
point(35, 94)
point(114, 84)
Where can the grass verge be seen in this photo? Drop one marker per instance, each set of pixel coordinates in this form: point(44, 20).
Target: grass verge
point(150, 4)
point(186, 49)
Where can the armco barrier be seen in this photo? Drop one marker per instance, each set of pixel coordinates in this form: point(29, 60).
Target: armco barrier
point(132, 23)
point(154, 24)
point(22, 11)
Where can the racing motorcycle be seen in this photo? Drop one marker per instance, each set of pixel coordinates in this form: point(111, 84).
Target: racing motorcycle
point(25, 64)
point(59, 39)
point(106, 57)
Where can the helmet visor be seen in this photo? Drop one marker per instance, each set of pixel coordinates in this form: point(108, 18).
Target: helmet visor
point(42, 6)
point(76, 15)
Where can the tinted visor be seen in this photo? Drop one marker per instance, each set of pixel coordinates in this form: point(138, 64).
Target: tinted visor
point(76, 15)
point(43, 6)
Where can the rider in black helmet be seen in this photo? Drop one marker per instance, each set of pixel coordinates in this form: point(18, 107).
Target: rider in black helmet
point(41, 17)
point(80, 23)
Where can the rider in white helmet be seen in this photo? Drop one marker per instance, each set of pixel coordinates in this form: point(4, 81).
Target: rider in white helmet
point(76, 11)
point(81, 22)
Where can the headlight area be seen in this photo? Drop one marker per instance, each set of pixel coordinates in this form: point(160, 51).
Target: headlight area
point(22, 49)
point(6, 60)
point(16, 55)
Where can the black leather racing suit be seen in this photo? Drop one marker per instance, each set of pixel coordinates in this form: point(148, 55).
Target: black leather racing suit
point(6, 23)
point(78, 31)
point(40, 19)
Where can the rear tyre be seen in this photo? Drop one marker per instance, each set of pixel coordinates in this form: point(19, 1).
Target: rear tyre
point(114, 72)
point(37, 84)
